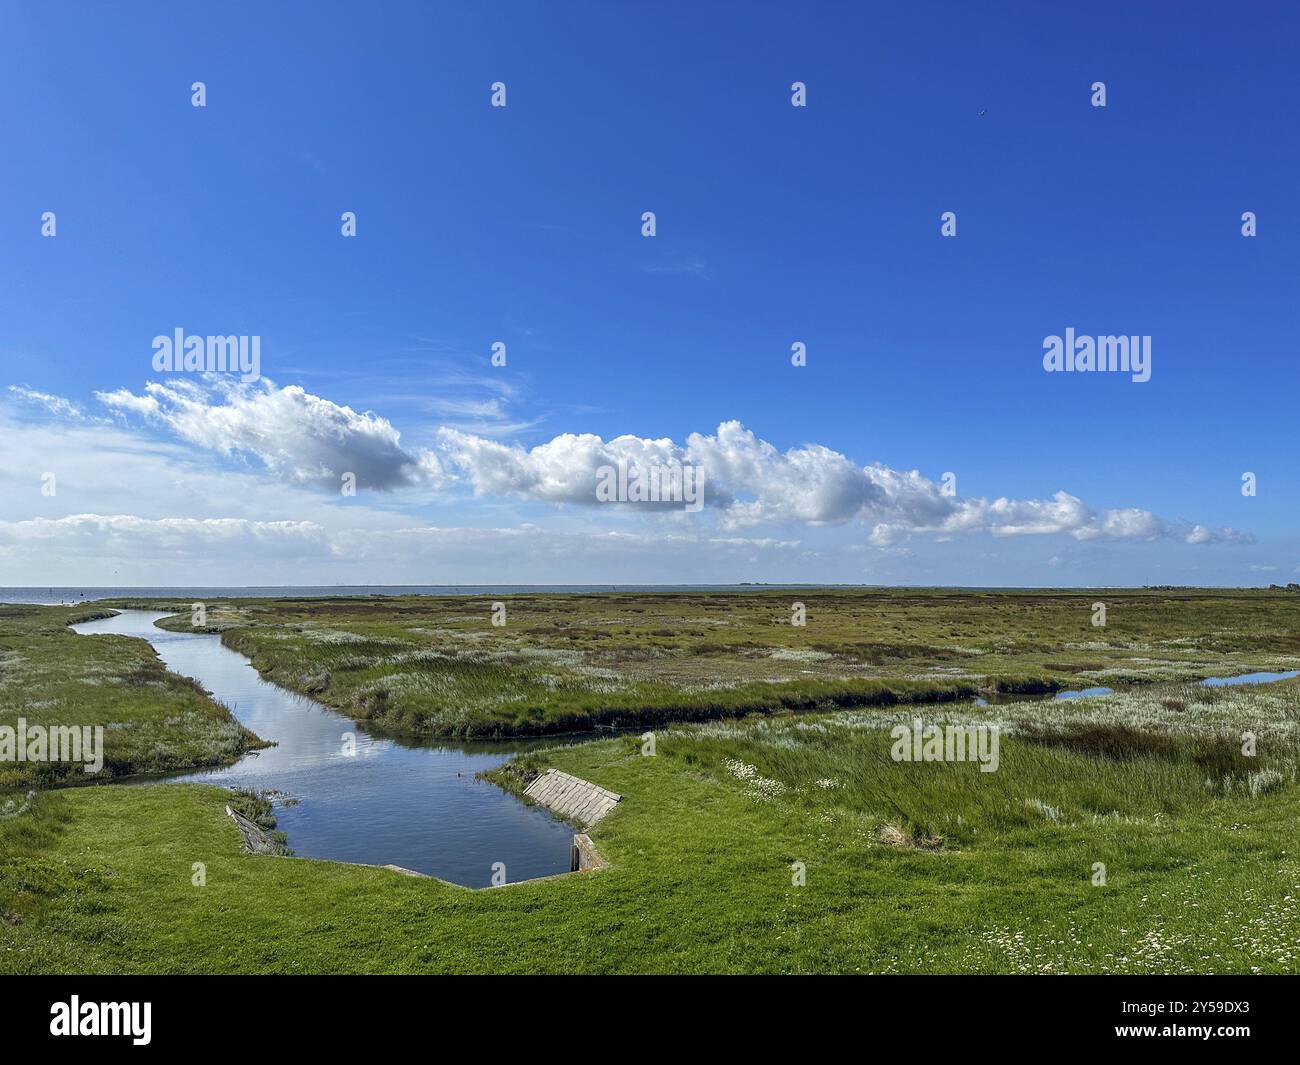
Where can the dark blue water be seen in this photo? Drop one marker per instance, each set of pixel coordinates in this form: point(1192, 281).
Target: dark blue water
point(404, 803)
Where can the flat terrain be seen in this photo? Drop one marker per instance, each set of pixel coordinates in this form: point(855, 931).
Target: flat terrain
point(154, 721)
point(564, 663)
point(906, 867)
point(923, 867)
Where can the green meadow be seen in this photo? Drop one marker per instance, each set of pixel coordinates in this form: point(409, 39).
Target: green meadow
point(1127, 833)
point(154, 721)
point(565, 663)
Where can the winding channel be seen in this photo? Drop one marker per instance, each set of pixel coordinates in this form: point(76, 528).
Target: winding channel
point(411, 803)
point(403, 802)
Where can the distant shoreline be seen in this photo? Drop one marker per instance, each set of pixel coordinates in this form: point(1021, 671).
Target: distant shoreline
point(74, 594)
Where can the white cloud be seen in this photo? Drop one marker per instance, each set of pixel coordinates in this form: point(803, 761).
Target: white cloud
point(1203, 534)
point(128, 402)
point(299, 437)
point(750, 482)
point(563, 470)
point(122, 484)
point(184, 536)
point(56, 405)
point(127, 549)
point(807, 484)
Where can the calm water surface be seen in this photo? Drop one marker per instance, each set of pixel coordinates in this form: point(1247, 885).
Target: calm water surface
point(406, 802)
point(409, 803)
point(1249, 678)
point(1208, 682)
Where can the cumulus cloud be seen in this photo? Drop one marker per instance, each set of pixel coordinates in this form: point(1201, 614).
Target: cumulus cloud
point(810, 484)
point(1203, 534)
point(1062, 514)
point(563, 470)
point(311, 441)
point(297, 436)
point(750, 482)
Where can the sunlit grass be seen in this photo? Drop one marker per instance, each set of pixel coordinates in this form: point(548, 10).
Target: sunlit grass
point(153, 720)
point(1122, 833)
point(907, 867)
point(572, 662)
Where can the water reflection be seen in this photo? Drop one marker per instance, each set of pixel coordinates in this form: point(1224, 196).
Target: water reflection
point(405, 801)
point(1249, 678)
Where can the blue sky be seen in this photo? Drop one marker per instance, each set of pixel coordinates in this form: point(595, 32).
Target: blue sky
point(775, 224)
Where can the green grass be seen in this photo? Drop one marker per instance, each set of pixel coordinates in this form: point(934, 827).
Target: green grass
point(1201, 877)
point(565, 663)
point(154, 721)
point(925, 867)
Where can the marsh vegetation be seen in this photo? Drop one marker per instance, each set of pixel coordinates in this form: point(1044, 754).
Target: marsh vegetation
point(1121, 833)
point(564, 663)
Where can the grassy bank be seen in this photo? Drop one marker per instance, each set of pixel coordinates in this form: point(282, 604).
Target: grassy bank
point(154, 721)
point(909, 867)
point(778, 842)
point(563, 663)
